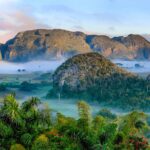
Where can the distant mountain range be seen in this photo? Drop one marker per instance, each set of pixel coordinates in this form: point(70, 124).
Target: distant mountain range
point(54, 44)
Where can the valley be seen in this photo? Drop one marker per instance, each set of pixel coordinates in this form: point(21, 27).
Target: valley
point(41, 78)
point(64, 106)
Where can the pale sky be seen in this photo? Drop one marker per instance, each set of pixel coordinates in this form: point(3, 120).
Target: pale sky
point(110, 17)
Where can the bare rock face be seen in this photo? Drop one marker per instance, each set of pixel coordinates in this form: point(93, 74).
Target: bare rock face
point(43, 44)
point(84, 70)
point(137, 45)
point(52, 44)
point(107, 47)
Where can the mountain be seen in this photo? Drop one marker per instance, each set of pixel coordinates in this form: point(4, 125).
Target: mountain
point(106, 46)
point(92, 77)
point(57, 43)
point(82, 71)
point(146, 36)
point(137, 45)
point(44, 44)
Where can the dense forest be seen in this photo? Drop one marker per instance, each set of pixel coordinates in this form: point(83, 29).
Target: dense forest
point(117, 91)
point(32, 125)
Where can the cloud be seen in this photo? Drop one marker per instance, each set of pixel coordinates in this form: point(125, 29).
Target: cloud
point(15, 18)
point(12, 23)
point(8, 2)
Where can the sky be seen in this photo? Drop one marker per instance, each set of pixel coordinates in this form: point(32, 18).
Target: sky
point(109, 17)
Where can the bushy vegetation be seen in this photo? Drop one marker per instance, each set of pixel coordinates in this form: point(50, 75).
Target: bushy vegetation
point(116, 91)
point(31, 126)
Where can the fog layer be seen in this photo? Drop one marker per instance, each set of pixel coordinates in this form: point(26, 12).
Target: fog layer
point(43, 66)
point(134, 66)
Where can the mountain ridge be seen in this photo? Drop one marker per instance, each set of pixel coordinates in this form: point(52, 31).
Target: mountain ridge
point(57, 43)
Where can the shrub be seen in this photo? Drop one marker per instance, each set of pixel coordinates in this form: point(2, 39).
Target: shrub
point(17, 147)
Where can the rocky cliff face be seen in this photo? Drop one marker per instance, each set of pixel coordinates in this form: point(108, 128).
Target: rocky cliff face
point(51, 44)
point(83, 71)
point(43, 44)
point(138, 46)
point(107, 47)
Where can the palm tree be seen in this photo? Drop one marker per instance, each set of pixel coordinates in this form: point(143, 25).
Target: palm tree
point(11, 111)
point(31, 103)
point(37, 114)
point(84, 114)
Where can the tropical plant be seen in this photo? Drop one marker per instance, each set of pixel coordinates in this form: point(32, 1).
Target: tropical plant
point(30, 126)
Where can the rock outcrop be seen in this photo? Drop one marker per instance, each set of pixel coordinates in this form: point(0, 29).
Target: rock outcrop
point(84, 70)
point(107, 47)
point(44, 44)
point(138, 46)
point(54, 44)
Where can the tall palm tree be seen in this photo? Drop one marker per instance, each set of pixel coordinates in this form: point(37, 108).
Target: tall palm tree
point(11, 111)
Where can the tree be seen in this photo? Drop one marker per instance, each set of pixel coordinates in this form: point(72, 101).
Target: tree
point(84, 114)
point(28, 125)
point(11, 111)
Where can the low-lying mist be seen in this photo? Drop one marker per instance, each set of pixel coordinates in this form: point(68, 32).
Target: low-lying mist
point(29, 67)
point(51, 65)
point(16, 73)
point(135, 66)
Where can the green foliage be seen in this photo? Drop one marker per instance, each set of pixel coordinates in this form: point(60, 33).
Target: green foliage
point(26, 86)
point(29, 125)
point(82, 78)
point(5, 129)
point(17, 147)
point(107, 114)
point(22, 123)
point(84, 114)
point(41, 143)
point(26, 139)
